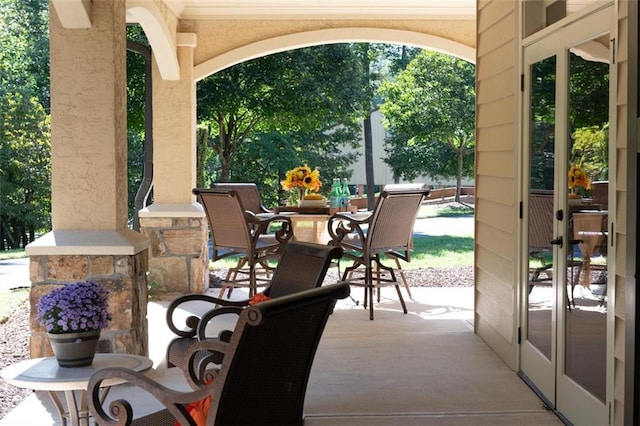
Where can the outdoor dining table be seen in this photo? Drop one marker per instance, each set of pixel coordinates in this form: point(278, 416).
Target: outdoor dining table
point(309, 223)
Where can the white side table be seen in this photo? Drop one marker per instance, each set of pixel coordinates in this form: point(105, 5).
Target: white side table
point(44, 374)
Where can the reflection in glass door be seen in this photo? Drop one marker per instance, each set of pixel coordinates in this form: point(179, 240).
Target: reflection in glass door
point(566, 219)
point(585, 345)
point(541, 197)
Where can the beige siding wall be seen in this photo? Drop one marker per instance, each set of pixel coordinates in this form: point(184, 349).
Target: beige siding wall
point(496, 161)
point(621, 208)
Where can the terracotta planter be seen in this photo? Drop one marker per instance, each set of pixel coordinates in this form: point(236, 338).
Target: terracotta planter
point(74, 349)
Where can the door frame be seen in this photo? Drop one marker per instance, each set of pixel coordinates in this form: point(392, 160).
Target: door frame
point(555, 41)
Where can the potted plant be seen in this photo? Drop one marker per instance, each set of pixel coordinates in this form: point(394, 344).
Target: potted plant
point(73, 316)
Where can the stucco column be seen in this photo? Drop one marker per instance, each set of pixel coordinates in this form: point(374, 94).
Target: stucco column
point(175, 223)
point(90, 239)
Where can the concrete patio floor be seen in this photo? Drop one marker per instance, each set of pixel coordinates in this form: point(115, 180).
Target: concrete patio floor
point(426, 367)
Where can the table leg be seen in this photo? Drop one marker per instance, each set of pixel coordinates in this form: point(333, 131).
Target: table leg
point(56, 402)
point(77, 415)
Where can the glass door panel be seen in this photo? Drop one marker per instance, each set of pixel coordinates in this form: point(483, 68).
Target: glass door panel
point(541, 292)
point(587, 183)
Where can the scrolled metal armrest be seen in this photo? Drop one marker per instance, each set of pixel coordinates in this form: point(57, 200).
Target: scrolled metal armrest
point(121, 412)
point(192, 321)
point(260, 226)
point(198, 379)
point(341, 225)
point(208, 316)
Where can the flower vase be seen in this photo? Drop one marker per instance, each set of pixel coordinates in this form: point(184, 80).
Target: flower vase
point(301, 193)
point(74, 349)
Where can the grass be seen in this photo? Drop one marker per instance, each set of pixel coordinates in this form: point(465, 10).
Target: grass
point(441, 251)
point(12, 254)
point(9, 301)
point(430, 251)
point(449, 210)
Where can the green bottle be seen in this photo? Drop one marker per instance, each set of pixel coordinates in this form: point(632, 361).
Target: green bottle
point(346, 195)
point(335, 196)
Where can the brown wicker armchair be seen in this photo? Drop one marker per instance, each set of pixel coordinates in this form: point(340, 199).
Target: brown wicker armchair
point(236, 231)
point(387, 231)
point(540, 240)
point(263, 376)
point(248, 193)
point(302, 266)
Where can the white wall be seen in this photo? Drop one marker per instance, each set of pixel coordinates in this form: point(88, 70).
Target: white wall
point(382, 172)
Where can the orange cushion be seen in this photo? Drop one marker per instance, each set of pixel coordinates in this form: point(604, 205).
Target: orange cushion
point(199, 410)
point(257, 298)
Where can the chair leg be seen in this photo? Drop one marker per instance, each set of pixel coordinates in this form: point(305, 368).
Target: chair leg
point(369, 290)
point(394, 280)
point(403, 276)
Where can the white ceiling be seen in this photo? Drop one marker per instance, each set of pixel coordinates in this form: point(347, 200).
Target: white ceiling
point(311, 9)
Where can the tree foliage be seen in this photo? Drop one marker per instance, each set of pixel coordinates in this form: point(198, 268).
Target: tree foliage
point(430, 111)
point(283, 107)
point(24, 124)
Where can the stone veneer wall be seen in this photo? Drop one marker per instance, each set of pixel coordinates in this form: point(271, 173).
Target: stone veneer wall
point(123, 275)
point(179, 254)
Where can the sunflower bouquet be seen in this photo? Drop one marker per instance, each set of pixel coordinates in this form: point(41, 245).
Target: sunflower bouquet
point(302, 179)
point(578, 179)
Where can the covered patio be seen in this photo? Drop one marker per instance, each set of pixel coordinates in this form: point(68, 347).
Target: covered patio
point(191, 39)
point(426, 367)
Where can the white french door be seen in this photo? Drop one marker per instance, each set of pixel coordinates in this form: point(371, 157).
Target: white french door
point(565, 333)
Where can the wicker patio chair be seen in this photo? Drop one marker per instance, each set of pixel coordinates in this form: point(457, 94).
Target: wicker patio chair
point(540, 243)
point(236, 231)
point(540, 234)
point(248, 193)
point(302, 266)
point(251, 201)
point(388, 231)
point(262, 379)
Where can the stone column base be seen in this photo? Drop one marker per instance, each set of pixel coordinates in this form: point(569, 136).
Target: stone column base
point(124, 276)
point(179, 254)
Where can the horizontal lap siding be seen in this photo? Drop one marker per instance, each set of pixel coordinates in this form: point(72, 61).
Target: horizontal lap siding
point(496, 164)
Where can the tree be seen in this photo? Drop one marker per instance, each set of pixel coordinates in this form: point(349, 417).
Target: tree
point(298, 94)
point(431, 103)
point(278, 153)
point(25, 200)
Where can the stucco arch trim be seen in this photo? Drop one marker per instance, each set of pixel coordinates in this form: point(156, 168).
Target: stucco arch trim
point(334, 35)
point(160, 38)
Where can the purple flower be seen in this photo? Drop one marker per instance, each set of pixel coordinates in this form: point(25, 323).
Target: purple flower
point(82, 306)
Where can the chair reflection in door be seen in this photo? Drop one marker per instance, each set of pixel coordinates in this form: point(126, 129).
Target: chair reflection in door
point(540, 244)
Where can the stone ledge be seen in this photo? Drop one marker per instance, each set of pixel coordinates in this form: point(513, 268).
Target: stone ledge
point(123, 242)
point(172, 210)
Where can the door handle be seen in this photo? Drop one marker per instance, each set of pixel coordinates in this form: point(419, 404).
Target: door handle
point(557, 241)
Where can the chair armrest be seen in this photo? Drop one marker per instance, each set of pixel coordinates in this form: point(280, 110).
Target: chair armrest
point(208, 316)
point(192, 321)
point(260, 224)
point(121, 412)
point(197, 374)
point(264, 209)
point(342, 224)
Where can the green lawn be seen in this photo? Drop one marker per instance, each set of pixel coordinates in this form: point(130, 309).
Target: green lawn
point(12, 254)
point(435, 210)
point(9, 301)
point(429, 252)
